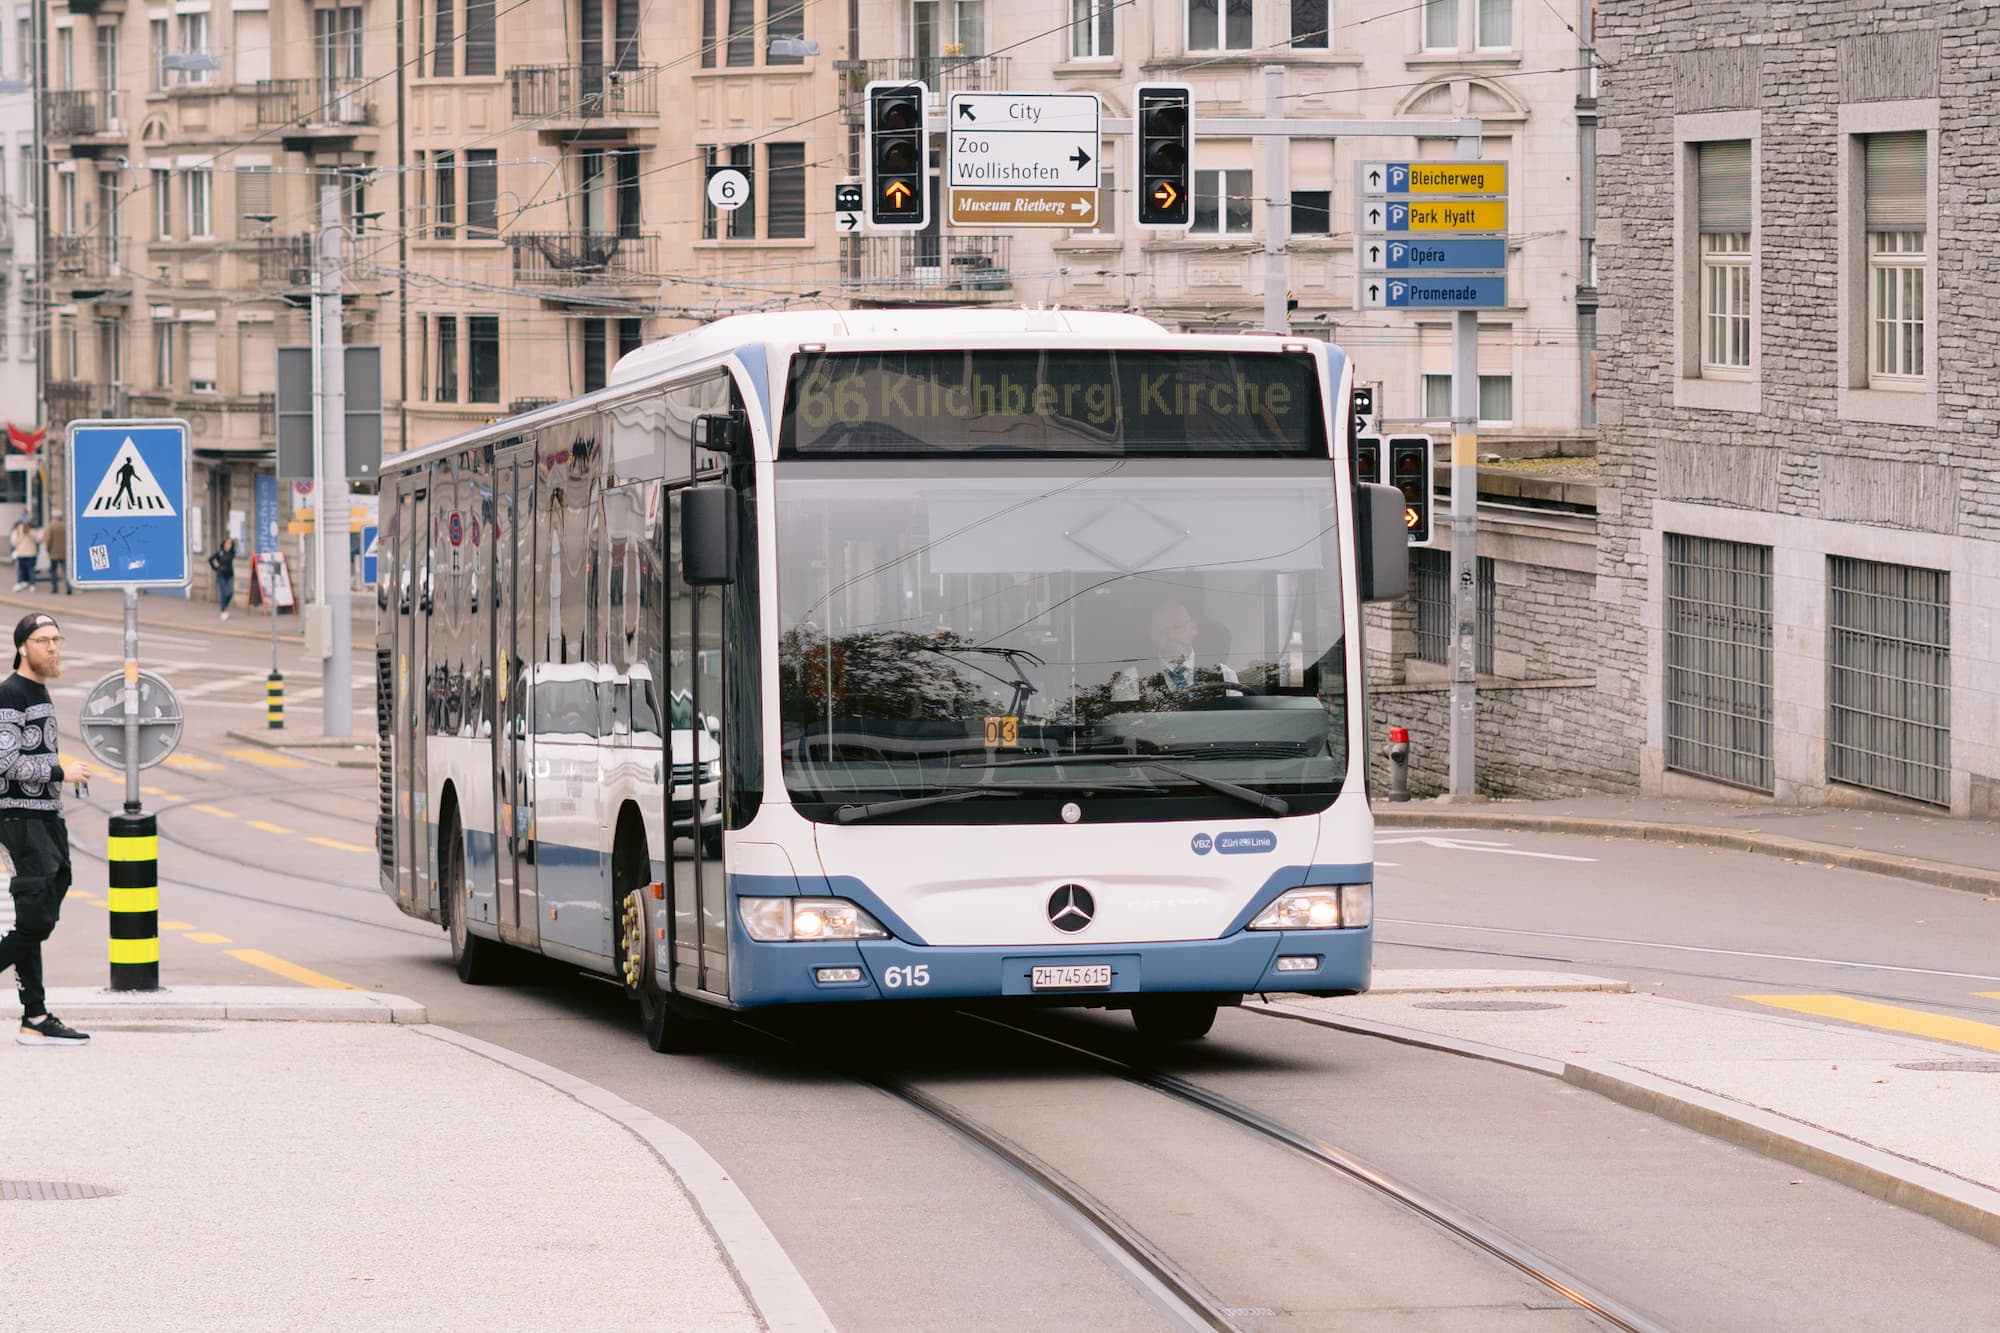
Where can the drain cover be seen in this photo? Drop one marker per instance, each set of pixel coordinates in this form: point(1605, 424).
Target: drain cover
point(51, 1189)
point(1489, 1006)
point(1954, 1066)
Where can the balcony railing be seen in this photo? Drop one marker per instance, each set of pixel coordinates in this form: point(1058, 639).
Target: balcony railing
point(581, 258)
point(74, 400)
point(943, 75)
point(285, 261)
point(558, 93)
point(74, 259)
point(314, 103)
point(927, 268)
point(520, 405)
point(81, 112)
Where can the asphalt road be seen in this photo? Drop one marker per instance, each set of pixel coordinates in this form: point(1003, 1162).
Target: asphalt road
point(268, 871)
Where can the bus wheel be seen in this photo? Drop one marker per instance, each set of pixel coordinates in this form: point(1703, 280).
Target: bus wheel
point(1168, 1018)
point(670, 1023)
point(476, 960)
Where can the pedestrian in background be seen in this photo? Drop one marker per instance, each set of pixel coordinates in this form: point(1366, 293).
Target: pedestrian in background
point(56, 538)
point(24, 541)
point(223, 562)
point(32, 831)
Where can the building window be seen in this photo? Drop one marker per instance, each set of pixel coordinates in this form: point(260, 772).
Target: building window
point(1723, 207)
point(1441, 25)
point(444, 56)
point(157, 34)
point(1496, 399)
point(1496, 24)
point(786, 211)
point(483, 357)
point(1218, 25)
point(1222, 202)
point(253, 195)
point(195, 184)
point(194, 41)
point(784, 21)
point(1895, 215)
point(1312, 212)
point(1719, 660)
point(444, 197)
point(163, 205)
point(478, 36)
point(444, 379)
point(1430, 571)
point(482, 194)
point(1888, 656)
point(1312, 24)
point(742, 224)
point(163, 354)
point(201, 358)
point(738, 43)
point(1090, 29)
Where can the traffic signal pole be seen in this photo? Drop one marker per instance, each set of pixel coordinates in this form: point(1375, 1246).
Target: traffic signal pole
point(1464, 697)
point(330, 508)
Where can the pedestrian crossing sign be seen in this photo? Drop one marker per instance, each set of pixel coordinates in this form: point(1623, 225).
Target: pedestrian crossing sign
point(128, 503)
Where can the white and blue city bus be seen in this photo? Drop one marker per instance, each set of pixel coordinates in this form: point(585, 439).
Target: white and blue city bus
point(831, 656)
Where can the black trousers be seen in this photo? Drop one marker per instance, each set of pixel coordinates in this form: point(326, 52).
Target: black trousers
point(39, 849)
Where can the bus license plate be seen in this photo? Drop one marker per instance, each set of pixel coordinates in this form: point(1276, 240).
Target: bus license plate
point(1089, 976)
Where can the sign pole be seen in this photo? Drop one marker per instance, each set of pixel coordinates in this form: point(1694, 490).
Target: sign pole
point(1464, 697)
point(1278, 208)
point(330, 511)
point(131, 701)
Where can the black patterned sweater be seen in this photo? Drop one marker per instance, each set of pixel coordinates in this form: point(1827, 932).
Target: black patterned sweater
point(30, 774)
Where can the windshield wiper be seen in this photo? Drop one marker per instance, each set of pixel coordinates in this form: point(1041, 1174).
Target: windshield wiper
point(1262, 800)
point(854, 814)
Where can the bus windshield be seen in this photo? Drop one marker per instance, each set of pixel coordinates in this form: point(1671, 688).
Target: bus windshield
point(950, 624)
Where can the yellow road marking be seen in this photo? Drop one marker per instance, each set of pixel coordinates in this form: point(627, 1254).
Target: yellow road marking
point(340, 846)
point(1964, 1031)
point(210, 938)
point(1988, 994)
point(192, 763)
point(176, 925)
point(267, 758)
point(215, 810)
point(305, 976)
point(151, 791)
point(268, 828)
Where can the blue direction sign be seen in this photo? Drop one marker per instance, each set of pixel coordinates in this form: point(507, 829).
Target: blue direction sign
point(128, 503)
point(1440, 256)
point(1460, 291)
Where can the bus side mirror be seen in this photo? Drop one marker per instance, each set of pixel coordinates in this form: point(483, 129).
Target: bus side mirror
point(1382, 544)
point(708, 535)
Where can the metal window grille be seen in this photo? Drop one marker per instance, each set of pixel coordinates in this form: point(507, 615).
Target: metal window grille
point(1718, 660)
point(1433, 592)
point(1888, 649)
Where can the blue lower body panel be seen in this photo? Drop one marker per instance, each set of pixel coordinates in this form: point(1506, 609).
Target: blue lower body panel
point(1237, 964)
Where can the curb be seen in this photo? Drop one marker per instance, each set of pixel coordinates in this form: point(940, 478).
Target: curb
point(271, 741)
point(270, 1004)
point(769, 1278)
point(1959, 1204)
point(1941, 874)
point(295, 639)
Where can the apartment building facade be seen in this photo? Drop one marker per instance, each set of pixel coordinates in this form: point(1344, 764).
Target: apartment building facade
point(20, 396)
point(185, 146)
point(1799, 563)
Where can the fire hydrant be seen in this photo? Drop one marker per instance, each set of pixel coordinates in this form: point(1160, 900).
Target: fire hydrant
point(1397, 751)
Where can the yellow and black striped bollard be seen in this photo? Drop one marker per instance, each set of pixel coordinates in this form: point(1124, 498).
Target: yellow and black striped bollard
point(274, 701)
point(134, 856)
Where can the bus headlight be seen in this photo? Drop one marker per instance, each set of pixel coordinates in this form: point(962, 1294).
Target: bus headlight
point(775, 920)
point(1320, 907)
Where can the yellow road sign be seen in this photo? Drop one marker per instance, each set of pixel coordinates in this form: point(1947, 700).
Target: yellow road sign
point(1455, 215)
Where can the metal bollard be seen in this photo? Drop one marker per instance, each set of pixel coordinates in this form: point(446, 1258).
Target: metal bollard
point(1398, 753)
point(274, 701)
point(134, 861)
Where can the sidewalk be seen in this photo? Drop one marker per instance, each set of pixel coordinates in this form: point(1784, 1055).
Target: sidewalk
point(1901, 1118)
point(333, 1173)
point(1930, 849)
point(159, 610)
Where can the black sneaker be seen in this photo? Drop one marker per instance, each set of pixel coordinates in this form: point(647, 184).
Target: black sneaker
point(48, 1030)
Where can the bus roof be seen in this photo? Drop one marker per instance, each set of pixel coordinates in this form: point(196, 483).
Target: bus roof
point(809, 326)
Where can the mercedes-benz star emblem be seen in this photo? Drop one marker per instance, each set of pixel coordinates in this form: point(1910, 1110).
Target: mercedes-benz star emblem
point(1071, 908)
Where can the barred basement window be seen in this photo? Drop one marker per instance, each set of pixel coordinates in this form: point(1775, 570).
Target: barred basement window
point(1888, 654)
point(1432, 571)
point(1719, 660)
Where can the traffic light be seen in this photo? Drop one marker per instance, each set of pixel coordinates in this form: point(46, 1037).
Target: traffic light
point(1165, 116)
point(1410, 473)
point(1368, 458)
point(895, 160)
point(1361, 409)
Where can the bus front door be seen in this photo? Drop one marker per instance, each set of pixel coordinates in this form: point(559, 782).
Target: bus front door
point(514, 585)
point(415, 701)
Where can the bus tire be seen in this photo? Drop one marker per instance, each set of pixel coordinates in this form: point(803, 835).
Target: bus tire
point(477, 961)
point(1174, 1018)
point(674, 1025)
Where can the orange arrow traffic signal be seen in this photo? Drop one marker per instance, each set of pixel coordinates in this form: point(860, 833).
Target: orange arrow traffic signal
point(1411, 517)
point(1167, 194)
point(898, 193)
